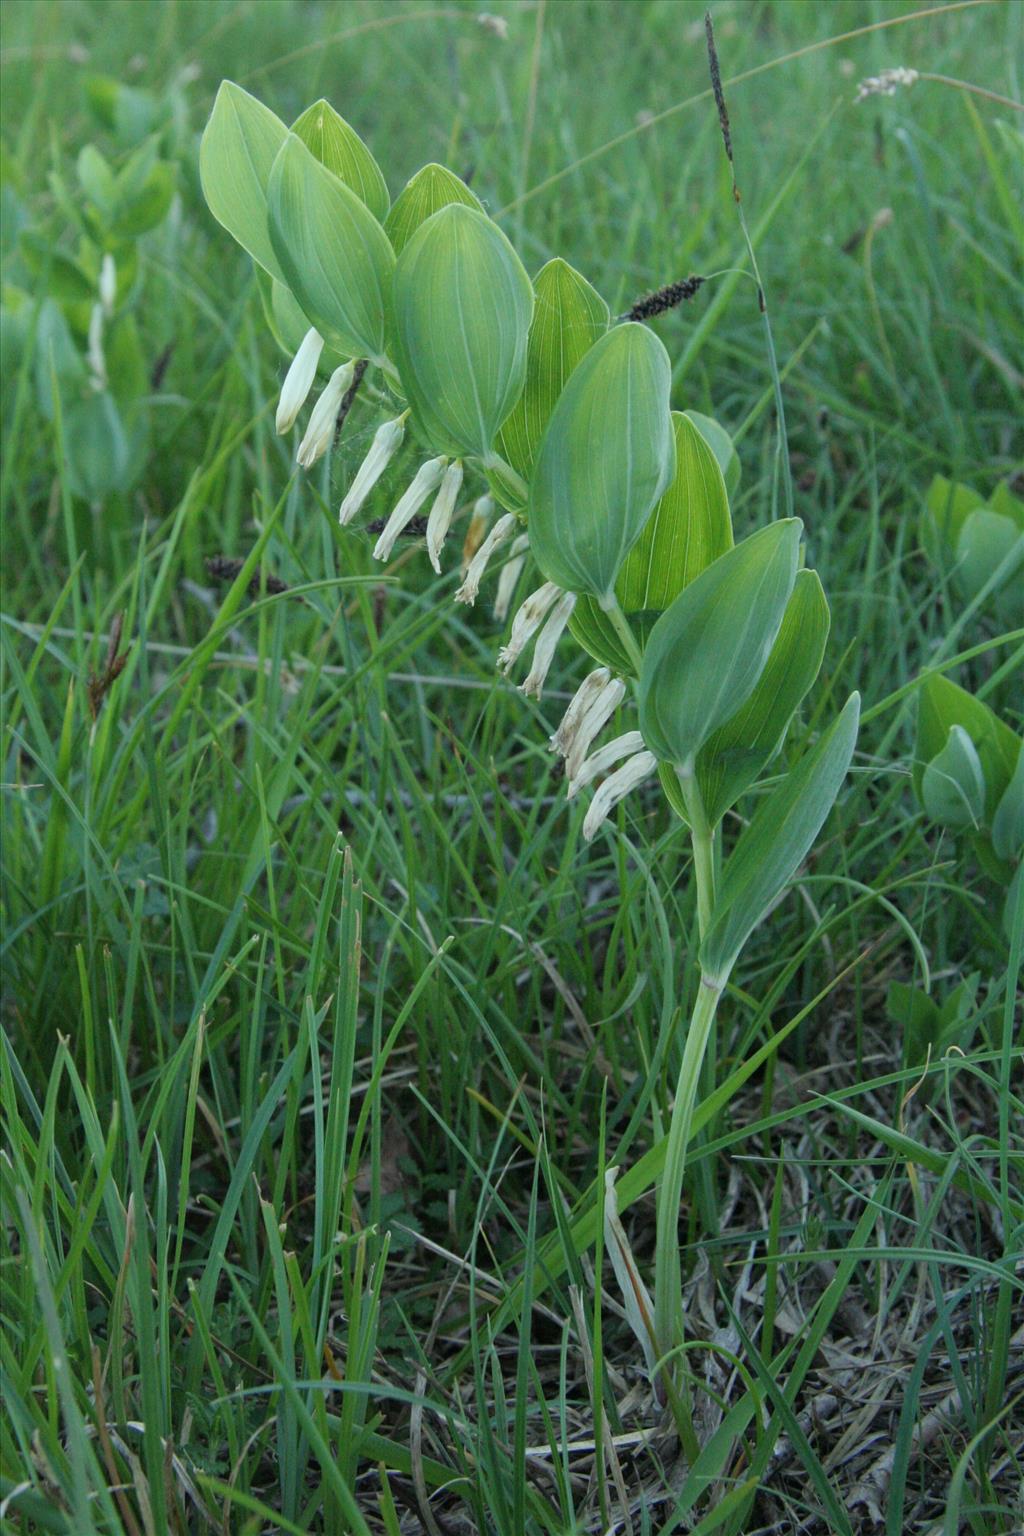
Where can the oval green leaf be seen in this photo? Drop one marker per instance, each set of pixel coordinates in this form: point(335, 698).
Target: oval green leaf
point(606, 457)
point(988, 541)
point(569, 316)
point(706, 653)
point(688, 529)
point(462, 304)
point(432, 188)
point(947, 505)
point(334, 255)
point(733, 757)
point(953, 784)
point(721, 445)
point(773, 846)
point(942, 704)
point(336, 145)
point(1008, 821)
point(239, 146)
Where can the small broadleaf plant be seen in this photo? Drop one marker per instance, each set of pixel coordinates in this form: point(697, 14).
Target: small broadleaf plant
point(619, 501)
point(968, 777)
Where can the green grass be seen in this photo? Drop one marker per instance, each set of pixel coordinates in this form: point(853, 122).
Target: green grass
point(322, 1023)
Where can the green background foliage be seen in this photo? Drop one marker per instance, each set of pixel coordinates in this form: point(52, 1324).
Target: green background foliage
point(213, 1034)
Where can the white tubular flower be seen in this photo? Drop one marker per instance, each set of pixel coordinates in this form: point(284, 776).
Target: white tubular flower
point(324, 416)
point(618, 784)
point(108, 283)
point(442, 512)
point(386, 442)
point(594, 719)
point(547, 640)
point(586, 693)
point(476, 530)
point(425, 482)
point(528, 619)
point(603, 758)
point(510, 572)
point(94, 356)
point(467, 593)
point(298, 381)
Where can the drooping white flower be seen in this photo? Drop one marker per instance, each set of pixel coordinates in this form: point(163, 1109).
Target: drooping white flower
point(601, 760)
point(593, 720)
point(529, 617)
point(324, 416)
point(298, 381)
point(476, 530)
point(586, 693)
point(509, 576)
point(502, 529)
point(547, 640)
point(442, 512)
point(108, 283)
point(94, 355)
point(618, 784)
point(425, 482)
point(386, 442)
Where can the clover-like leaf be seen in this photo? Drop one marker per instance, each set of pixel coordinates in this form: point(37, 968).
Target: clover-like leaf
point(462, 304)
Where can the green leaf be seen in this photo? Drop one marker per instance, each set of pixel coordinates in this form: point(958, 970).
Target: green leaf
point(941, 704)
point(432, 188)
point(65, 279)
point(721, 445)
point(689, 527)
point(126, 109)
point(140, 209)
point(332, 252)
point(569, 316)
point(771, 849)
point(239, 146)
point(987, 539)
point(54, 349)
point(337, 146)
point(98, 447)
point(97, 179)
point(462, 305)
point(706, 653)
point(946, 507)
point(733, 757)
point(1007, 504)
point(953, 784)
point(606, 457)
point(918, 1017)
point(592, 629)
point(1008, 821)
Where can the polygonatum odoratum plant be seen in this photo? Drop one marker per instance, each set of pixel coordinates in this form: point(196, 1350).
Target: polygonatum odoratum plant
point(583, 469)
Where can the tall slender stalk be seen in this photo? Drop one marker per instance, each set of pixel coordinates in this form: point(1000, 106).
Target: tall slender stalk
point(668, 1320)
